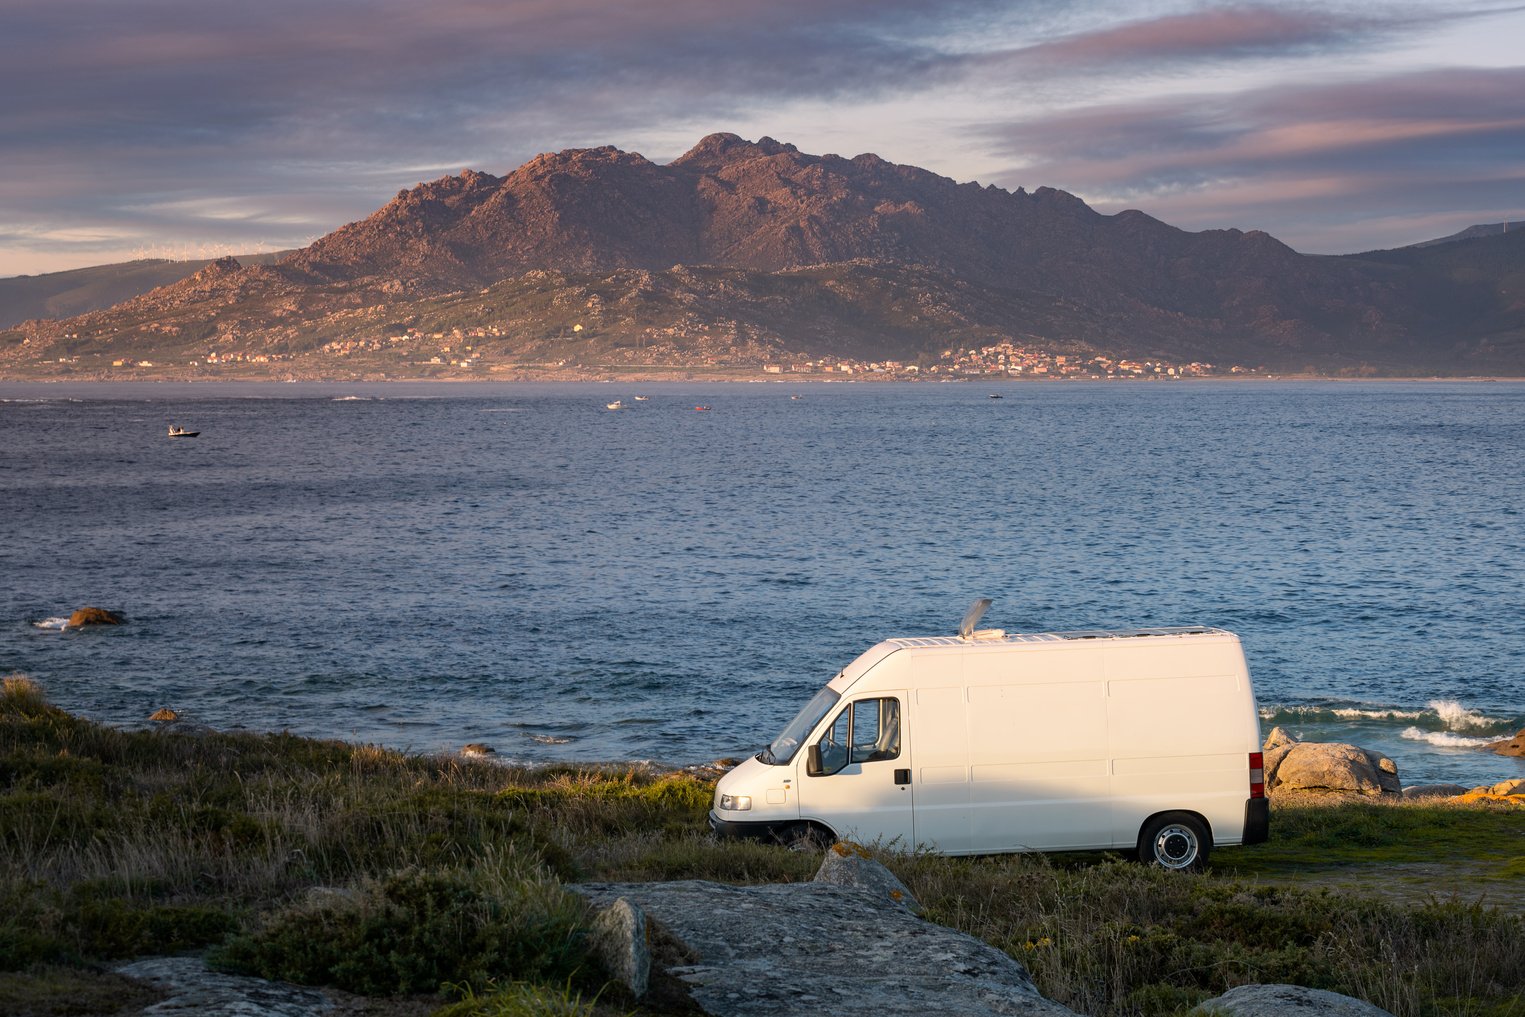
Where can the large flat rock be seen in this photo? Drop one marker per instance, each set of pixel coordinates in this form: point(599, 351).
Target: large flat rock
point(816, 948)
point(194, 991)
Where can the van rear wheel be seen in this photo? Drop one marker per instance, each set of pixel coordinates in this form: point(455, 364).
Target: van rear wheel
point(1174, 841)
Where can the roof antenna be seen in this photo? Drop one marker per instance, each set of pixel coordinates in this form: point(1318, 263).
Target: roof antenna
point(972, 617)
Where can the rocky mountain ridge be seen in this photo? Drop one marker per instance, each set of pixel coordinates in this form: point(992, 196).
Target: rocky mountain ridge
point(750, 251)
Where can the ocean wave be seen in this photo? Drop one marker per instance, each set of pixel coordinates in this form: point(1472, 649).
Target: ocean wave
point(1457, 717)
point(54, 624)
point(1445, 739)
point(1356, 712)
point(353, 399)
point(545, 739)
point(1439, 715)
point(1340, 713)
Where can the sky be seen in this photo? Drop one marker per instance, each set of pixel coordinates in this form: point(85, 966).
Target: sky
point(166, 128)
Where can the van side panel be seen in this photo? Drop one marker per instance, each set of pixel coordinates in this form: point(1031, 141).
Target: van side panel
point(1038, 749)
point(939, 717)
point(1179, 741)
point(1040, 767)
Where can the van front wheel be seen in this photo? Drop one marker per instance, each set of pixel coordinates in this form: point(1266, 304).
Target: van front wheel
point(1174, 841)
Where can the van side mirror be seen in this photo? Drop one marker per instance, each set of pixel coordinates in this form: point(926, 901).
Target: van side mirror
point(813, 767)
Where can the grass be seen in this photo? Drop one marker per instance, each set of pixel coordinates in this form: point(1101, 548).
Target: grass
point(353, 866)
point(1368, 832)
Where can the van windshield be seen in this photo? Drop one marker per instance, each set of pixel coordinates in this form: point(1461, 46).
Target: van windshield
point(787, 744)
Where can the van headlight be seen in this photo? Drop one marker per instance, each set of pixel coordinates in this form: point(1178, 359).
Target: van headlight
point(735, 803)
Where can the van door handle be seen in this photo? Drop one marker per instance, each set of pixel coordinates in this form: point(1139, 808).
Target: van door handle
point(903, 776)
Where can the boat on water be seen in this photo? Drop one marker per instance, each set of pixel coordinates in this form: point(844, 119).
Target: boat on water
point(180, 432)
point(701, 409)
point(995, 395)
point(642, 399)
point(616, 405)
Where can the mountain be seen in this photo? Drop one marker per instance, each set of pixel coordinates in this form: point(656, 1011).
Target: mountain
point(1488, 229)
point(65, 294)
point(750, 252)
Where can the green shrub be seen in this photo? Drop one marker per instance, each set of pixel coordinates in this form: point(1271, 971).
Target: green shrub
point(113, 928)
point(519, 999)
point(417, 929)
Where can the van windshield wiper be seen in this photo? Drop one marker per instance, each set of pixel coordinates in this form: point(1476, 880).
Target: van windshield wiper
point(766, 756)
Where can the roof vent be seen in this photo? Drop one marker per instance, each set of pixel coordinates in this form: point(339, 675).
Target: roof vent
point(972, 617)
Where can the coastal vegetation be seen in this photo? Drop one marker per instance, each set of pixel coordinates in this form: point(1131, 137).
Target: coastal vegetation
point(443, 882)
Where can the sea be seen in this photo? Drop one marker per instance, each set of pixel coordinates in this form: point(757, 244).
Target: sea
point(426, 565)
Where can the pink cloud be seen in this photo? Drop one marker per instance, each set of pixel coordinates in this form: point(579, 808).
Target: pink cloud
point(1215, 33)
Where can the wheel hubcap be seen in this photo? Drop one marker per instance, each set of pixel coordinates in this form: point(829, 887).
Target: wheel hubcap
point(1175, 847)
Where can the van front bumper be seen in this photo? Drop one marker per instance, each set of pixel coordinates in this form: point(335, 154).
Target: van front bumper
point(1257, 820)
point(751, 830)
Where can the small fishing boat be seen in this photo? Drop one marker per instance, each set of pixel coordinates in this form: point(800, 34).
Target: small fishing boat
point(995, 395)
point(616, 405)
point(180, 432)
point(701, 409)
point(642, 399)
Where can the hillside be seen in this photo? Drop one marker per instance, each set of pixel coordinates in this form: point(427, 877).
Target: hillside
point(749, 253)
point(65, 294)
point(1486, 229)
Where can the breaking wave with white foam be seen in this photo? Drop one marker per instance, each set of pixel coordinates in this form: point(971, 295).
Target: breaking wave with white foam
point(53, 624)
point(1445, 739)
point(1457, 717)
point(1440, 716)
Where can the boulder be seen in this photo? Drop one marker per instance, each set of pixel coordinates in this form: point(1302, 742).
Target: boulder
point(1287, 1001)
point(847, 864)
point(1334, 767)
point(1278, 743)
point(1434, 791)
point(1514, 786)
point(1278, 737)
point(477, 750)
point(621, 940)
point(163, 715)
point(94, 616)
point(1512, 746)
point(787, 949)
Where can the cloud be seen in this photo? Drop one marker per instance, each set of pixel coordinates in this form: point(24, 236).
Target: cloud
point(1223, 33)
point(1304, 162)
point(183, 123)
point(1226, 33)
point(131, 108)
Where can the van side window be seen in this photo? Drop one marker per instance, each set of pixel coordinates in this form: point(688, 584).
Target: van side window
point(866, 731)
point(876, 730)
point(835, 742)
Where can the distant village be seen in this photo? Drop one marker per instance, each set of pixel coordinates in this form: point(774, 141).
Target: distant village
point(465, 352)
point(1001, 359)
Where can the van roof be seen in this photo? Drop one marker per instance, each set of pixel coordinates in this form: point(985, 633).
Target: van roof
point(1057, 637)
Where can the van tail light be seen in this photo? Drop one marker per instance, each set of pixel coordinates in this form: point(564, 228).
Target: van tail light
point(1257, 775)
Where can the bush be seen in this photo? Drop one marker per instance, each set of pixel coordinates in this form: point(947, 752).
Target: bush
point(417, 929)
point(518, 1000)
point(39, 925)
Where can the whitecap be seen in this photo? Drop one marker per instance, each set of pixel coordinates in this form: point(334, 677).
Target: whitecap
point(1445, 739)
point(1457, 717)
point(1352, 712)
point(549, 739)
point(56, 624)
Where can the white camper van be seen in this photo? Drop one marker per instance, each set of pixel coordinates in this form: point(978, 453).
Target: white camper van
point(983, 743)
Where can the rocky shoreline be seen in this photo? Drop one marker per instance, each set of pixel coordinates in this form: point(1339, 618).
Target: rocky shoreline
point(1293, 766)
